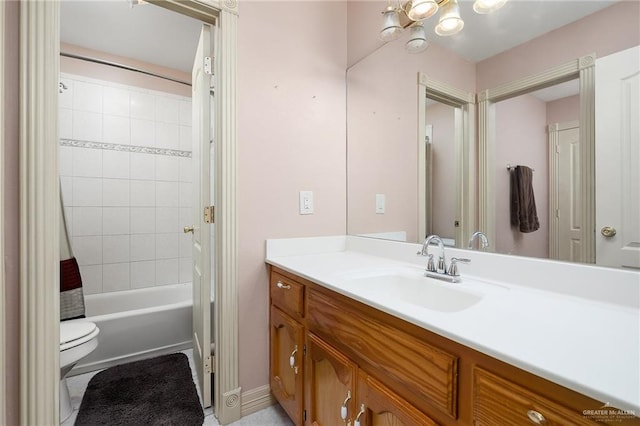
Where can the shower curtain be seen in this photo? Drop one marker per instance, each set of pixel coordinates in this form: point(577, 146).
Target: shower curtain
point(71, 296)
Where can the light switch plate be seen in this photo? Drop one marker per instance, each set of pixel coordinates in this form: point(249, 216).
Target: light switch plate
point(306, 202)
point(380, 204)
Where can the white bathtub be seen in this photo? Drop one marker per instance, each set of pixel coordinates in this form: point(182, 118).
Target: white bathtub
point(137, 324)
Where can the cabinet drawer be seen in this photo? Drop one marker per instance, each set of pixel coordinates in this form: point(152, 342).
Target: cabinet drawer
point(499, 402)
point(414, 369)
point(287, 294)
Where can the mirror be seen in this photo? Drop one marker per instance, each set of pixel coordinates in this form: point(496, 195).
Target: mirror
point(382, 102)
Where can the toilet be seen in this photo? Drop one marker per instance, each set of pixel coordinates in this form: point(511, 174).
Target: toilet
point(78, 339)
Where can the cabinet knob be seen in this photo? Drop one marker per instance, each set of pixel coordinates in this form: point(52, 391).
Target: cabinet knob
point(536, 418)
point(188, 229)
point(360, 413)
point(292, 359)
point(283, 286)
point(343, 409)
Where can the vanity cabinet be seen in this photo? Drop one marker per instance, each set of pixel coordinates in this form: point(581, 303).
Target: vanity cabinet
point(356, 365)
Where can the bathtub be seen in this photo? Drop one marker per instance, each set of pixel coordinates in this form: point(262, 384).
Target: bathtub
point(138, 324)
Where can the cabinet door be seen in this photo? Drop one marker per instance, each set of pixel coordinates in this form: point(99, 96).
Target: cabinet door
point(377, 405)
point(331, 380)
point(287, 345)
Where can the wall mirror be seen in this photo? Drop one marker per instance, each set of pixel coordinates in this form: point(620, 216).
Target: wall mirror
point(385, 172)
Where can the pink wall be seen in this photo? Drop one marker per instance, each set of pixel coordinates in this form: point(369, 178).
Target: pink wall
point(441, 117)
point(521, 139)
point(563, 110)
point(292, 134)
point(382, 96)
point(607, 31)
point(11, 320)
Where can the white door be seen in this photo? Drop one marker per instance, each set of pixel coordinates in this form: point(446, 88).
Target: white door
point(569, 216)
point(201, 117)
point(618, 159)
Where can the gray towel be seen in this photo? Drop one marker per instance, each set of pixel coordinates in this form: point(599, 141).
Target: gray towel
point(71, 295)
point(523, 202)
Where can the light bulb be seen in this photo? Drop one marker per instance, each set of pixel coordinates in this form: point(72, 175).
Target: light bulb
point(450, 22)
point(391, 28)
point(422, 9)
point(487, 6)
point(417, 39)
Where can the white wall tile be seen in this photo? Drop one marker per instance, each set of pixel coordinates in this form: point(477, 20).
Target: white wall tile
point(143, 274)
point(167, 194)
point(185, 113)
point(143, 193)
point(186, 271)
point(186, 143)
point(65, 123)
point(65, 99)
point(167, 220)
point(167, 168)
point(115, 164)
point(116, 101)
point(142, 132)
point(87, 250)
point(115, 277)
point(68, 216)
point(87, 192)
point(185, 169)
point(87, 97)
point(143, 247)
point(115, 220)
point(186, 246)
point(167, 135)
point(91, 279)
point(167, 246)
point(186, 215)
point(143, 166)
point(87, 126)
point(167, 271)
point(87, 162)
point(186, 197)
point(115, 248)
point(65, 160)
point(115, 192)
point(167, 110)
point(116, 129)
point(143, 105)
point(66, 189)
point(143, 220)
point(87, 221)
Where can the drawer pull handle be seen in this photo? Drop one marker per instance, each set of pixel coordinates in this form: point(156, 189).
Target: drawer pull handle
point(343, 409)
point(360, 413)
point(536, 418)
point(292, 359)
point(283, 286)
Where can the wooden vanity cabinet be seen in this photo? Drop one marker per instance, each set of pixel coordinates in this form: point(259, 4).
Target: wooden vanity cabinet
point(396, 373)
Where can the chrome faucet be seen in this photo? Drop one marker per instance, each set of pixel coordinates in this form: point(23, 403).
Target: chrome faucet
point(440, 271)
point(484, 241)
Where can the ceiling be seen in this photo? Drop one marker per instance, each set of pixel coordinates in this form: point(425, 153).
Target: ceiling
point(153, 34)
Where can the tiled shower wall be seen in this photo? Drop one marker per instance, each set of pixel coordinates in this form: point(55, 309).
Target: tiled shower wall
point(125, 170)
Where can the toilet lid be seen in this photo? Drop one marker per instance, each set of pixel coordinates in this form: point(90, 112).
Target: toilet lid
point(71, 331)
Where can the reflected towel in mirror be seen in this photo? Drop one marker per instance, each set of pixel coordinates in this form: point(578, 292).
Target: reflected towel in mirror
point(524, 215)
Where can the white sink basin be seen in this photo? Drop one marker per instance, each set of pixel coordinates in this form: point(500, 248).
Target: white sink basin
point(412, 288)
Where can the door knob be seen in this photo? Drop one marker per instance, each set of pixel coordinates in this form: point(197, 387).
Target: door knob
point(608, 231)
point(187, 229)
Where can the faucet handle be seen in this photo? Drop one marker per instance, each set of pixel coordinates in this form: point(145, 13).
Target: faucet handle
point(431, 266)
point(453, 267)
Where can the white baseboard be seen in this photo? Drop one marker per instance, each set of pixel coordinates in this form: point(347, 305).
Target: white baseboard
point(256, 399)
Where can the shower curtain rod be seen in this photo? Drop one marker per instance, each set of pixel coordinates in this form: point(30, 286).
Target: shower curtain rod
point(121, 66)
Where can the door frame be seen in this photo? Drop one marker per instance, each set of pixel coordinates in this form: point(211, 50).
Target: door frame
point(582, 68)
point(554, 173)
point(465, 154)
point(39, 233)
point(3, 345)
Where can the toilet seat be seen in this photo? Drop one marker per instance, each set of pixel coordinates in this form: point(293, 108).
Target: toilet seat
point(74, 333)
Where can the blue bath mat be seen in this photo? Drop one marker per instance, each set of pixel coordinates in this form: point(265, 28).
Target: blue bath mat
point(156, 391)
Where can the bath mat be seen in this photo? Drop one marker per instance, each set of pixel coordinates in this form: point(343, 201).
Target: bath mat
point(156, 391)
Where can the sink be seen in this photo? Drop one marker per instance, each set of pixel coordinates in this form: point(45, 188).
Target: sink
point(413, 288)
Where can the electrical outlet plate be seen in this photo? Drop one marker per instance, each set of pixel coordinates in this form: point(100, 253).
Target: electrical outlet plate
point(306, 202)
point(380, 204)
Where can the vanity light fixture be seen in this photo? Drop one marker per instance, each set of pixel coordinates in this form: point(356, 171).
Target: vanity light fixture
point(396, 18)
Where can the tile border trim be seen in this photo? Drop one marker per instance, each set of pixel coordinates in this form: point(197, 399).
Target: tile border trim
point(76, 143)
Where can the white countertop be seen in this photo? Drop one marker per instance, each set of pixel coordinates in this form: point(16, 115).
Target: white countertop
point(580, 342)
